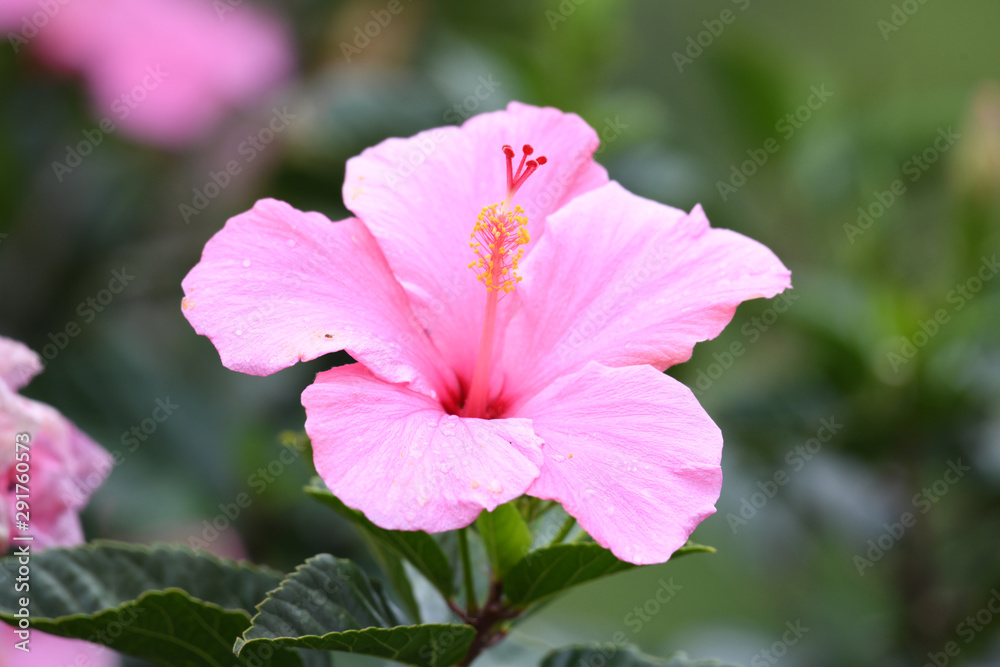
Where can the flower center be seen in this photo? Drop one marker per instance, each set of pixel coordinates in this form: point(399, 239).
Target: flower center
point(497, 241)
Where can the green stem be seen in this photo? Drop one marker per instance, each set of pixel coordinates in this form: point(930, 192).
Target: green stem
point(564, 531)
point(470, 589)
point(545, 508)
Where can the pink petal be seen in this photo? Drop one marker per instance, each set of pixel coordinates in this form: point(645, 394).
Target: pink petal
point(622, 280)
point(631, 454)
point(66, 468)
point(420, 197)
point(166, 71)
point(277, 286)
point(52, 651)
point(18, 16)
point(18, 364)
point(398, 457)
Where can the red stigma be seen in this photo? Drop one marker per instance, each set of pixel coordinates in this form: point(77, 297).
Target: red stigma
point(515, 179)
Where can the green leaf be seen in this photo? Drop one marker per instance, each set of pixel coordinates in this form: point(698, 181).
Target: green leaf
point(550, 570)
point(166, 604)
point(417, 547)
point(553, 569)
point(611, 655)
point(505, 535)
point(692, 548)
point(392, 565)
point(480, 564)
point(330, 604)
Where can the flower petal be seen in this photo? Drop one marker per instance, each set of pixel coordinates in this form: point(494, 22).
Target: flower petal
point(420, 198)
point(398, 457)
point(18, 363)
point(277, 286)
point(166, 71)
point(53, 651)
point(631, 454)
point(66, 468)
point(623, 280)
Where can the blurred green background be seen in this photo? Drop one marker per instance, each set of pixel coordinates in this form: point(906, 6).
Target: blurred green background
point(891, 334)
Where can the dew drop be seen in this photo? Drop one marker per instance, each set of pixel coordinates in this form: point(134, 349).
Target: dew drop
point(445, 467)
point(246, 263)
point(558, 458)
point(589, 492)
point(422, 500)
point(239, 332)
point(495, 486)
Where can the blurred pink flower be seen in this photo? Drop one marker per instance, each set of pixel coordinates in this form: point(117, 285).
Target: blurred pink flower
point(165, 71)
point(463, 400)
point(52, 651)
point(65, 465)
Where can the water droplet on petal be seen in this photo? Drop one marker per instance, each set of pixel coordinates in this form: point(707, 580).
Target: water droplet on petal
point(589, 492)
point(558, 458)
point(239, 332)
point(495, 486)
point(445, 467)
point(246, 262)
point(422, 500)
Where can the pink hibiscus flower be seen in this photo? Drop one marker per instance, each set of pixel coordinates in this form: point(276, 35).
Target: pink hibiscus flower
point(62, 462)
point(535, 369)
point(165, 71)
point(65, 465)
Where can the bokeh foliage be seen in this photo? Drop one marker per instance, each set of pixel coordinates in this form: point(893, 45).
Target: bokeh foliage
point(825, 353)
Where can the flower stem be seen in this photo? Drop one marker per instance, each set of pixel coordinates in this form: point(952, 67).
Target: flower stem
point(470, 589)
point(563, 531)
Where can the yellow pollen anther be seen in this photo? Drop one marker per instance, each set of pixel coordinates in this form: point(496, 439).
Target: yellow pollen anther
point(497, 241)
